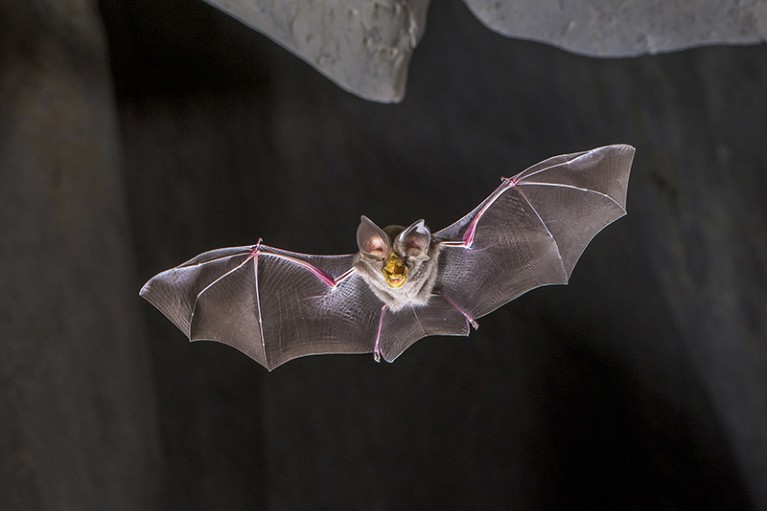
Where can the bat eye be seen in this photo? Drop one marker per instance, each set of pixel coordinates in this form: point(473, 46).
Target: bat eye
point(395, 271)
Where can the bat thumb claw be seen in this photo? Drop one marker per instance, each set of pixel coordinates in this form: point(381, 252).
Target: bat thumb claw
point(377, 357)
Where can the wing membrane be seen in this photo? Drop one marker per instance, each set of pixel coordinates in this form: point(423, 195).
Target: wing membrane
point(532, 230)
point(275, 305)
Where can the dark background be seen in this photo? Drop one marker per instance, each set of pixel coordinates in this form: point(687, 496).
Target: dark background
point(136, 134)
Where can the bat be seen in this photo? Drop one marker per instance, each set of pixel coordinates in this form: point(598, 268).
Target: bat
point(404, 283)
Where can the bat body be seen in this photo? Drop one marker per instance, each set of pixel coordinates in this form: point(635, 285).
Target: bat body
point(405, 283)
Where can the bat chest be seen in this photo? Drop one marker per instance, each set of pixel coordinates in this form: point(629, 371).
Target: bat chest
point(416, 291)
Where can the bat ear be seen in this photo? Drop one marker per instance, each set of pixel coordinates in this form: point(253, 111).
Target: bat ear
point(371, 240)
point(414, 240)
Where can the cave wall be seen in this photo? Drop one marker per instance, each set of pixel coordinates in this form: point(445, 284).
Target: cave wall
point(78, 428)
point(639, 385)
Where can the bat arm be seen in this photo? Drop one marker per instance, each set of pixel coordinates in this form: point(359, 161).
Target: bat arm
point(377, 347)
point(468, 237)
point(344, 276)
point(326, 278)
point(469, 318)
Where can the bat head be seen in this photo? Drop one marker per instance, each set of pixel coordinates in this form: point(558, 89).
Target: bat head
point(389, 255)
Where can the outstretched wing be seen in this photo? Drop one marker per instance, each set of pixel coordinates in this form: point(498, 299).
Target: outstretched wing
point(271, 304)
point(532, 229)
point(529, 232)
point(275, 305)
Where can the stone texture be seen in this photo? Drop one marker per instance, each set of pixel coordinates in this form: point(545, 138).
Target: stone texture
point(364, 46)
point(78, 428)
point(606, 28)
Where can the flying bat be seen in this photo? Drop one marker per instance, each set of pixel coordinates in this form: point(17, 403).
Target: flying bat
point(404, 283)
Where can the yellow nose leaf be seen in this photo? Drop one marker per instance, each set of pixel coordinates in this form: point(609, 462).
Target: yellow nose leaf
point(395, 271)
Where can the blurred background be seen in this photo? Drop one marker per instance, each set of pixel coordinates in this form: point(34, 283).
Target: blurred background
point(135, 135)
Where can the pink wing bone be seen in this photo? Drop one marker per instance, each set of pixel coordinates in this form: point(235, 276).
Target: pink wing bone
point(507, 183)
point(323, 276)
point(469, 318)
point(468, 237)
point(233, 296)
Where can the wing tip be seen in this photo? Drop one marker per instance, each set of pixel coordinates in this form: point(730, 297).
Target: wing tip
point(627, 148)
point(621, 145)
point(148, 293)
point(145, 290)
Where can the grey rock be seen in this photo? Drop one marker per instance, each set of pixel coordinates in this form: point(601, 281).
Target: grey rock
point(363, 45)
point(606, 28)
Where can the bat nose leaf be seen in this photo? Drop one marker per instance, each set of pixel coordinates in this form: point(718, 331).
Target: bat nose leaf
point(395, 271)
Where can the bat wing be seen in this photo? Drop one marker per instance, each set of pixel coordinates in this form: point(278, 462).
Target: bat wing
point(399, 330)
point(532, 229)
point(271, 304)
point(528, 233)
point(275, 305)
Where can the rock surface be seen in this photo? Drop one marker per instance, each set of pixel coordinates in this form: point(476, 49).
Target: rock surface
point(364, 46)
point(78, 428)
point(606, 28)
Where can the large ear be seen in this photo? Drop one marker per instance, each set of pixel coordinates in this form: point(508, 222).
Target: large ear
point(414, 240)
point(371, 240)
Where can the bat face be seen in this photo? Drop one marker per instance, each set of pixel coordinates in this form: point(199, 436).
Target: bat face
point(398, 264)
point(395, 271)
